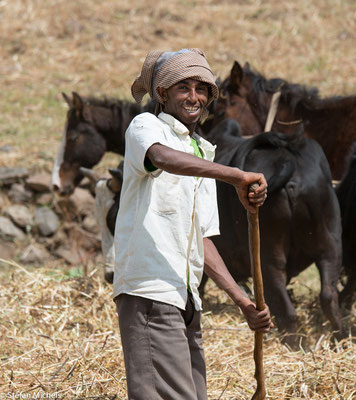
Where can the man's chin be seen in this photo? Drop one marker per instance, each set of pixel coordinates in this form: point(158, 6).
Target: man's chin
point(192, 118)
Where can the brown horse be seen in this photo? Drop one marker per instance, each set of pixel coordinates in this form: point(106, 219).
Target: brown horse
point(93, 127)
point(246, 96)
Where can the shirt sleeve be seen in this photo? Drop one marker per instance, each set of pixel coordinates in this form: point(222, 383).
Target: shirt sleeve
point(209, 209)
point(144, 131)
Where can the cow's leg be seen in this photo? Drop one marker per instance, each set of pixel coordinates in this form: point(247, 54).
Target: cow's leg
point(104, 199)
point(278, 300)
point(329, 269)
point(348, 292)
point(329, 264)
point(109, 254)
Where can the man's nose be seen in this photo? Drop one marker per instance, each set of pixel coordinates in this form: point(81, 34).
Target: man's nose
point(193, 97)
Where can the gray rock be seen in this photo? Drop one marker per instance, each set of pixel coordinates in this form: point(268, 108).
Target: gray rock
point(90, 224)
point(7, 250)
point(39, 182)
point(56, 240)
point(80, 203)
point(2, 202)
point(19, 194)
point(6, 148)
point(80, 237)
point(9, 231)
point(34, 255)
point(44, 199)
point(11, 175)
point(46, 221)
point(20, 215)
point(74, 256)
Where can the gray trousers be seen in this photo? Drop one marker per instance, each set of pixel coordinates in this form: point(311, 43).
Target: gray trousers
point(163, 353)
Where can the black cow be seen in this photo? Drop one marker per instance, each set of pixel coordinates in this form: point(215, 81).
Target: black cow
point(299, 222)
point(346, 193)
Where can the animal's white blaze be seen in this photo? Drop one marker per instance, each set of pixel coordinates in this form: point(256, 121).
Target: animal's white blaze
point(55, 179)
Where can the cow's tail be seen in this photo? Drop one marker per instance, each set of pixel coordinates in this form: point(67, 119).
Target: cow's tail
point(291, 142)
point(284, 172)
point(283, 166)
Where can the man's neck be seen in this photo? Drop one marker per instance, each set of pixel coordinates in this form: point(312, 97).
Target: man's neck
point(191, 129)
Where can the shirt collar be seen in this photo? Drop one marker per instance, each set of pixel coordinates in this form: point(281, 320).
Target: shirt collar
point(180, 129)
point(176, 125)
point(207, 147)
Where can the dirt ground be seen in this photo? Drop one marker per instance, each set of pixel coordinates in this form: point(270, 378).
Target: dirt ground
point(59, 334)
point(97, 48)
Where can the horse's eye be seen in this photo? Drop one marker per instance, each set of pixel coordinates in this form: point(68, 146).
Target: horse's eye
point(73, 137)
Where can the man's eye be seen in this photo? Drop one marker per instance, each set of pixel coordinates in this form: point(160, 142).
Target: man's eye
point(202, 89)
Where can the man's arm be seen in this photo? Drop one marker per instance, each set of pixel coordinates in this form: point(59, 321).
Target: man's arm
point(216, 269)
point(180, 163)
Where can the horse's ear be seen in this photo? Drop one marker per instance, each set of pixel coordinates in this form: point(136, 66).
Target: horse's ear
point(77, 103)
point(116, 173)
point(236, 75)
point(247, 66)
point(115, 183)
point(82, 109)
point(68, 100)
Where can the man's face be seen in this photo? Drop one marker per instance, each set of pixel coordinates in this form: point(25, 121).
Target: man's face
point(186, 100)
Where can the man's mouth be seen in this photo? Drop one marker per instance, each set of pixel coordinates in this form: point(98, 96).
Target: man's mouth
point(192, 110)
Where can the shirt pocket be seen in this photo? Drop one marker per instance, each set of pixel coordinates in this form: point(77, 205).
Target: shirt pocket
point(166, 193)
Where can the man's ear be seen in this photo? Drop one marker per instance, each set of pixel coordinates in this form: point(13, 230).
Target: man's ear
point(163, 93)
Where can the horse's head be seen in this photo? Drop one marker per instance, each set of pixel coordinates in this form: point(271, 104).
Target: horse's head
point(82, 146)
point(241, 99)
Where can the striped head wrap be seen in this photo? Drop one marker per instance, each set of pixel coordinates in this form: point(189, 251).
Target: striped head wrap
point(164, 69)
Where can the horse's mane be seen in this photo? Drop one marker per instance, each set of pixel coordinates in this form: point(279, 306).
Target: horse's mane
point(291, 93)
point(108, 102)
point(122, 111)
point(297, 95)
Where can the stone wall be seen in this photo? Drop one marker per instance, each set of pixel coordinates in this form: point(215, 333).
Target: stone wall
point(37, 226)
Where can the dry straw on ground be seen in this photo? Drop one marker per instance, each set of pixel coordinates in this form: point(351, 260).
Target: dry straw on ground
point(59, 338)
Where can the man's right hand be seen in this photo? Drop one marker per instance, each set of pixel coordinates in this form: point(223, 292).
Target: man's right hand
point(251, 200)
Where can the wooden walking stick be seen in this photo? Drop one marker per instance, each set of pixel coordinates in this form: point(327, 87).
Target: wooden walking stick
point(254, 245)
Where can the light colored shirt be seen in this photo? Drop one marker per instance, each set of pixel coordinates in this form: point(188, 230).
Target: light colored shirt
point(163, 217)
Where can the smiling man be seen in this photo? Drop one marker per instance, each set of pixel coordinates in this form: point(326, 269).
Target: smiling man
point(168, 211)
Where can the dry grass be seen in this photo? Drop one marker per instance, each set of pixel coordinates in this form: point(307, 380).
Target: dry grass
point(47, 47)
point(58, 335)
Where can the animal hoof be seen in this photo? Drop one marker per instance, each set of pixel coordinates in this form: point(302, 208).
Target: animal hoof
point(109, 276)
